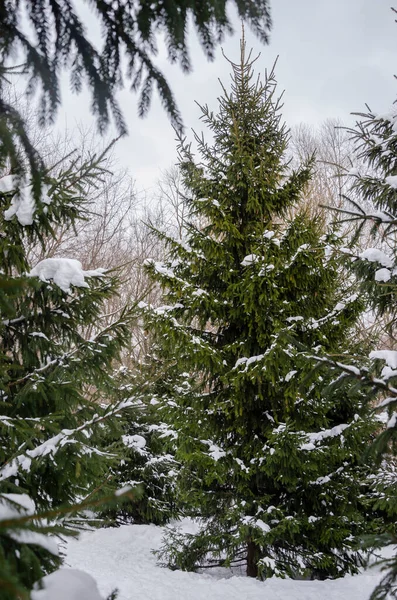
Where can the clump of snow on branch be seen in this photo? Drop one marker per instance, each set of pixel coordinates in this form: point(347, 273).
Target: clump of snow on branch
point(250, 260)
point(391, 180)
point(23, 204)
point(389, 356)
point(376, 255)
point(64, 272)
point(15, 506)
point(383, 275)
point(51, 446)
point(137, 442)
point(214, 451)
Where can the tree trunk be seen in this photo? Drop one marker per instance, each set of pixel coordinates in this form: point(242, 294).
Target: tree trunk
point(252, 559)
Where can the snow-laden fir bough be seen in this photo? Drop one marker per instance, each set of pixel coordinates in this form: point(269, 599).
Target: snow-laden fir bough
point(372, 209)
point(54, 378)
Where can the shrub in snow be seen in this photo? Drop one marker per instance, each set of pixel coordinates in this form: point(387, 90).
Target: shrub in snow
point(269, 462)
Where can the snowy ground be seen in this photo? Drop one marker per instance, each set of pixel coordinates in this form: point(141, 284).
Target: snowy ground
point(122, 558)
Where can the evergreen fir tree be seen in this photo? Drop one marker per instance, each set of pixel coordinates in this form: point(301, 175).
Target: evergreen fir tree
point(374, 212)
point(146, 454)
point(269, 464)
point(53, 426)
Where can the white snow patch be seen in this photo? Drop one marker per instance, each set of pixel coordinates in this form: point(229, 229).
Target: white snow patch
point(134, 441)
point(269, 234)
point(123, 490)
point(308, 446)
point(313, 519)
point(380, 215)
point(253, 522)
point(382, 274)
point(391, 180)
point(376, 255)
point(388, 373)
point(389, 356)
point(24, 536)
point(214, 451)
point(66, 584)
point(293, 319)
point(64, 272)
point(319, 436)
point(122, 558)
point(8, 183)
point(248, 361)
point(290, 375)
point(14, 506)
point(38, 334)
point(250, 259)
point(23, 205)
point(160, 267)
point(8, 510)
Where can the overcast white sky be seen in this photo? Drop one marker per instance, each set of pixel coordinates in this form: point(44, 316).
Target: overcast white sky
point(334, 56)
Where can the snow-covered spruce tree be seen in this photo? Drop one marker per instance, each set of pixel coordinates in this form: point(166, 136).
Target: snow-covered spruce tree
point(375, 185)
point(146, 453)
point(269, 464)
point(51, 378)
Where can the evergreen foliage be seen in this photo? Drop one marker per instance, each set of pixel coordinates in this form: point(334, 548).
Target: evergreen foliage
point(53, 424)
point(147, 454)
point(268, 463)
point(375, 217)
point(54, 37)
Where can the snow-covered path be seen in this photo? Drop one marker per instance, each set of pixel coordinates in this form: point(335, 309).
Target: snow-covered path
point(122, 558)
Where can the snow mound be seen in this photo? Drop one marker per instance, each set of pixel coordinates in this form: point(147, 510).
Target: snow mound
point(66, 584)
point(64, 272)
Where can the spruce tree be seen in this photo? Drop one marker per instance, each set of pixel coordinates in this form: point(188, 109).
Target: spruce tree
point(268, 463)
point(373, 211)
point(53, 379)
point(146, 453)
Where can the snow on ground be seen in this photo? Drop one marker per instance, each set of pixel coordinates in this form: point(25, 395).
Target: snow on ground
point(66, 584)
point(122, 558)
